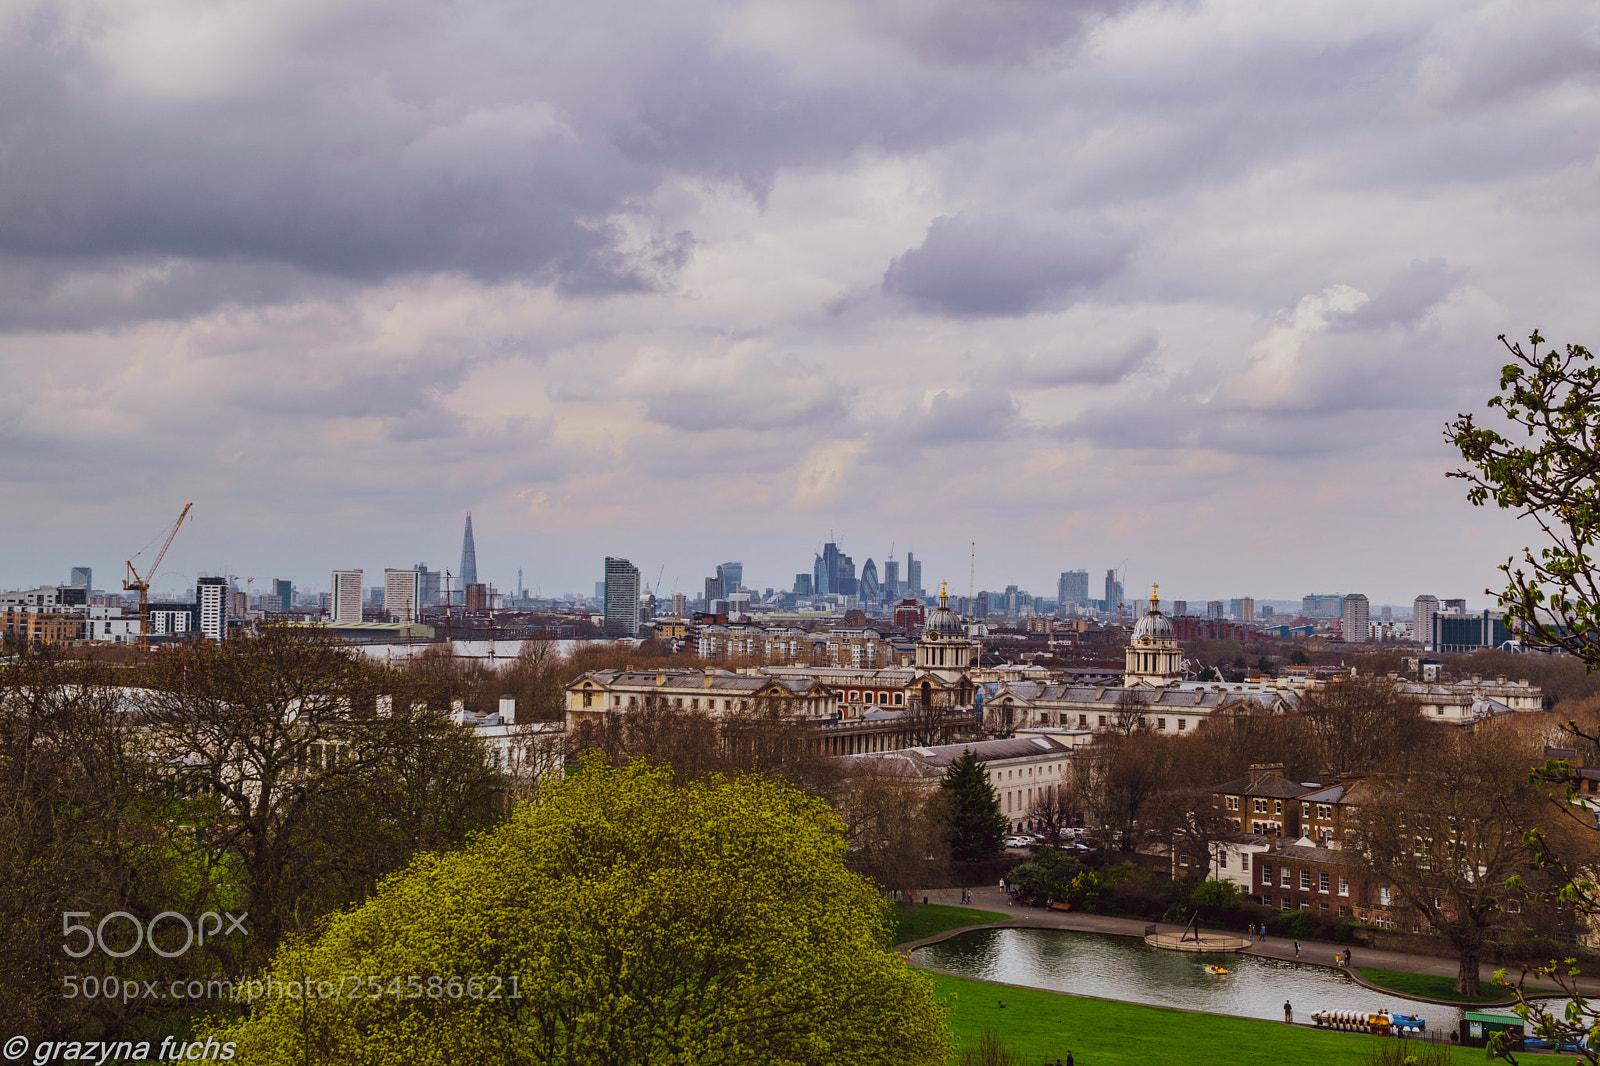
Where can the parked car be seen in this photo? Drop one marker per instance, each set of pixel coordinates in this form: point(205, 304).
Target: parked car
point(1015, 842)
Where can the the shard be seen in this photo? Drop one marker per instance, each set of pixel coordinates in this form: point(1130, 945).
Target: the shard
point(469, 557)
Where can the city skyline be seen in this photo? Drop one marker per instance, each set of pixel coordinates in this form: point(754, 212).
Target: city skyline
point(1151, 282)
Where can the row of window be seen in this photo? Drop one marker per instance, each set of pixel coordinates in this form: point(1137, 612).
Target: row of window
point(1323, 879)
point(883, 698)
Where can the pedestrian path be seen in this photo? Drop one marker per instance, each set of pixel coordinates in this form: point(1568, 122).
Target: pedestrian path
point(1316, 952)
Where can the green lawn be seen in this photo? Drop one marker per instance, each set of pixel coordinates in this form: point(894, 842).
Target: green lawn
point(925, 919)
point(1043, 1026)
point(1423, 984)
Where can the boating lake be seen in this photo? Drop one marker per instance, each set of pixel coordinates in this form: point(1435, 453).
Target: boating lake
point(1126, 968)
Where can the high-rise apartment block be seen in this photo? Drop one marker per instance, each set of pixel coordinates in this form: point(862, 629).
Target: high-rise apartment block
point(1214, 609)
point(914, 588)
point(1356, 625)
point(1073, 587)
point(1321, 605)
point(1247, 609)
point(402, 594)
point(714, 591)
point(477, 597)
point(622, 598)
point(680, 605)
point(346, 602)
point(1423, 608)
point(211, 605)
point(1180, 607)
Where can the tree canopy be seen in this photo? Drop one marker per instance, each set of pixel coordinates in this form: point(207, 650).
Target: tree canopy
point(1547, 472)
point(620, 918)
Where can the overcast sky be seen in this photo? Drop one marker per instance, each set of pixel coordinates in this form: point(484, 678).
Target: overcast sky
point(1189, 288)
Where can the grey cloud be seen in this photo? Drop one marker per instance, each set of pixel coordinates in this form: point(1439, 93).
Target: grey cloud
point(1079, 367)
point(756, 395)
point(56, 293)
point(983, 413)
point(1000, 32)
point(1003, 265)
point(1407, 297)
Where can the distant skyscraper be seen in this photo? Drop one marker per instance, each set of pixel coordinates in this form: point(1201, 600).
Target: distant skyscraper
point(82, 575)
point(1247, 609)
point(1423, 608)
point(211, 604)
point(869, 589)
point(714, 590)
point(622, 598)
point(469, 556)
point(804, 584)
point(1214, 608)
point(1356, 627)
point(282, 594)
point(432, 589)
point(891, 580)
point(914, 577)
point(1113, 590)
point(346, 604)
point(1453, 605)
point(732, 575)
point(1180, 607)
point(846, 584)
point(402, 594)
point(477, 597)
point(680, 604)
point(1322, 605)
point(1073, 587)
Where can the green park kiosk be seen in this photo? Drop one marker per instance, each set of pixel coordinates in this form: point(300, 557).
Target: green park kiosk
point(1477, 1028)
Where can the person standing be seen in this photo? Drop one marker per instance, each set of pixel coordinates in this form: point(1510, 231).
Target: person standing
point(1297, 949)
point(1288, 1013)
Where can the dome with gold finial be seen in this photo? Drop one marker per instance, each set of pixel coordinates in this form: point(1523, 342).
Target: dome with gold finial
point(1154, 626)
point(942, 620)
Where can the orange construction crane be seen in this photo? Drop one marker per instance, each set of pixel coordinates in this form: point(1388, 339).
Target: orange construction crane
point(134, 581)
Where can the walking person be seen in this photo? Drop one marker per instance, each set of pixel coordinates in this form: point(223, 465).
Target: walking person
point(1347, 958)
point(1297, 949)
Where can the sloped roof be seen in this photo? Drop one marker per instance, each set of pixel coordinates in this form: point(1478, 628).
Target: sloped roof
point(1269, 787)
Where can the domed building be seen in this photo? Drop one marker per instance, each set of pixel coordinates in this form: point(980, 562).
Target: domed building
point(948, 654)
point(1153, 657)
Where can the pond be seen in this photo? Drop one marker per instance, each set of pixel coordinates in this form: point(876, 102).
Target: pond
point(1126, 968)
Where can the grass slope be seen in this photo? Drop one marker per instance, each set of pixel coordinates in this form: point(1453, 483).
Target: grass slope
point(1043, 1026)
point(925, 919)
point(1424, 984)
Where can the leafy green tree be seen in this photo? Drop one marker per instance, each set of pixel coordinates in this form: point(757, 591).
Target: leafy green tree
point(1547, 473)
point(1050, 874)
point(620, 918)
point(977, 826)
point(1213, 899)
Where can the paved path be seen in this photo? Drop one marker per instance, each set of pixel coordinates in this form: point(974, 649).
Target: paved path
point(1321, 952)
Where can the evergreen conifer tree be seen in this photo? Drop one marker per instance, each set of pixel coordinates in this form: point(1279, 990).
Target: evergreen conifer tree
point(977, 827)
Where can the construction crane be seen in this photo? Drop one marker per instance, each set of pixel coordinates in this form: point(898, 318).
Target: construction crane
point(142, 584)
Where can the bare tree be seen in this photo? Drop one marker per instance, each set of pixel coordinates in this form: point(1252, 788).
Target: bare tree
point(894, 826)
point(1446, 839)
point(1189, 823)
point(1355, 723)
point(1129, 713)
point(1055, 809)
point(317, 771)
